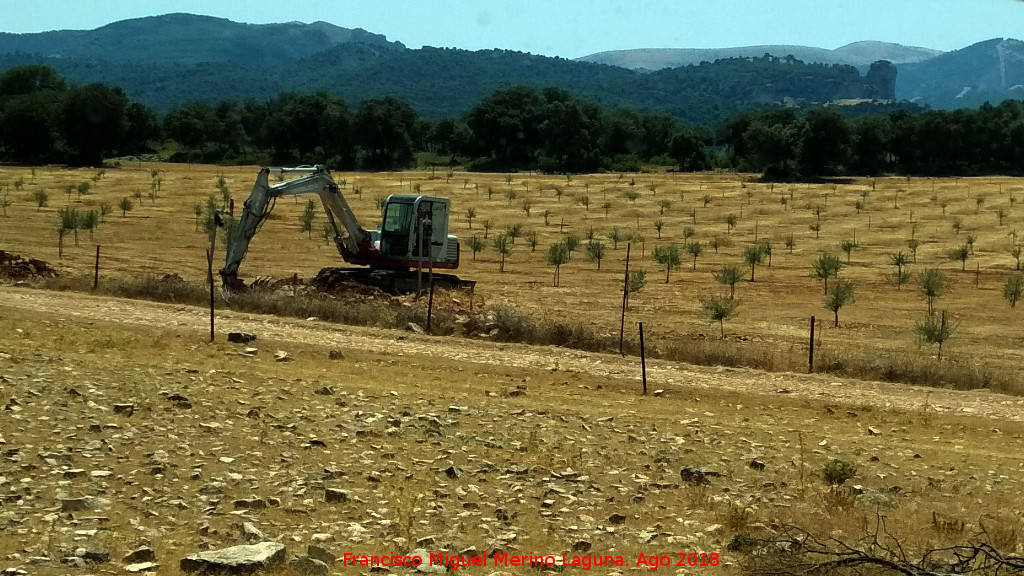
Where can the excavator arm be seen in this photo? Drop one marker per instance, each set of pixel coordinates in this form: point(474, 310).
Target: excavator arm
point(351, 239)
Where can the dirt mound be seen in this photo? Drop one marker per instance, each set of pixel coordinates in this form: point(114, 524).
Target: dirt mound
point(340, 282)
point(18, 268)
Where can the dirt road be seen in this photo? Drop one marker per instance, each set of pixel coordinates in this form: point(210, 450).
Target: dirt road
point(661, 374)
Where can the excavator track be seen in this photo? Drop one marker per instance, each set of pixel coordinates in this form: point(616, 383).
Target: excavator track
point(395, 282)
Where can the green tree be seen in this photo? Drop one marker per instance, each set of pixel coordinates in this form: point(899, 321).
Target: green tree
point(668, 256)
point(503, 247)
point(558, 254)
point(596, 251)
point(696, 249)
point(470, 214)
point(901, 261)
point(89, 221)
point(848, 246)
point(307, 217)
point(753, 255)
point(825, 267)
point(838, 296)
point(1013, 289)
point(825, 140)
point(729, 276)
point(658, 225)
point(935, 330)
point(125, 206)
point(572, 242)
point(961, 253)
point(932, 284)
point(617, 235)
point(41, 198)
point(385, 133)
point(730, 223)
point(475, 243)
point(67, 221)
point(719, 309)
point(487, 227)
point(1016, 252)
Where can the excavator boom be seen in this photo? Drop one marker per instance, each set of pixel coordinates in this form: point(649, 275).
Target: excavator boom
point(350, 237)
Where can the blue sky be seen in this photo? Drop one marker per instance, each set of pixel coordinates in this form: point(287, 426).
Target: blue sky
point(573, 28)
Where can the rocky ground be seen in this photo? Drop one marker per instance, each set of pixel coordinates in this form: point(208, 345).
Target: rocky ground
point(130, 444)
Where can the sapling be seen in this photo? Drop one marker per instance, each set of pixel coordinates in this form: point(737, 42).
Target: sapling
point(719, 309)
point(668, 256)
point(839, 295)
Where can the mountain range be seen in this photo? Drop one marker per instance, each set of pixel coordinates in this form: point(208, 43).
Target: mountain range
point(166, 61)
point(859, 54)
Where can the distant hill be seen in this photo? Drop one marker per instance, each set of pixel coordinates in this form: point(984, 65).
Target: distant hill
point(190, 39)
point(167, 61)
point(990, 71)
point(859, 54)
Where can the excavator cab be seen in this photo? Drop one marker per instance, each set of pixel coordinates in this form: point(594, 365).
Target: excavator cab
point(414, 229)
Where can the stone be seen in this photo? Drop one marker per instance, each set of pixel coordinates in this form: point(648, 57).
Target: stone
point(94, 555)
point(424, 564)
point(334, 495)
point(697, 476)
point(125, 408)
point(874, 431)
point(282, 356)
point(241, 337)
point(320, 553)
point(335, 355)
point(756, 464)
point(83, 504)
point(324, 391)
point(142, 567)
point(140, 555)
point(616, 519)
point(251, 533)
point(307, 565)
point(244, 559)
point(250, 504)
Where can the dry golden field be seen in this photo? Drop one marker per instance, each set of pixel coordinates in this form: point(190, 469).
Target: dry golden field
point(445, 444)
point(159, 237)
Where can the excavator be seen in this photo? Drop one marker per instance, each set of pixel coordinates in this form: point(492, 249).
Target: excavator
point(412, 240)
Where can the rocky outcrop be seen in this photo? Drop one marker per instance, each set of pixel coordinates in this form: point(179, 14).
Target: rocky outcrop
point(245, 559)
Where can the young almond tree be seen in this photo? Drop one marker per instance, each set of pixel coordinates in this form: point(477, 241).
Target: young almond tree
point(503, 247)
point(729, 276)
point(595, 251)
point(935, 330)
point(826, 266)
point(719, 309)
point(89, 221)
point(961, 254)
point(753, 256)
point(696, 249)
point(475, 244)
point(838, 296)
point(1014, 289)
point(470, 214)
point(125, 206)
point(668, 256)
point(67, 221)
point(307, 217)
point(932, 284)
point(617, 235)
point(558, 254)
point(900, 260)
point(848, 246)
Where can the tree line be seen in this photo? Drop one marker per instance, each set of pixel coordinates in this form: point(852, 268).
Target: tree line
point(43, 119)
